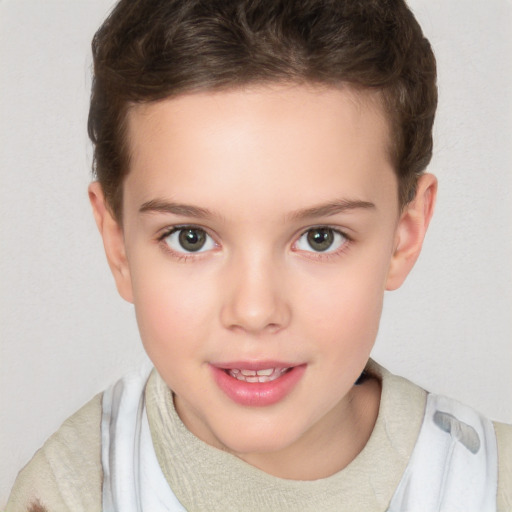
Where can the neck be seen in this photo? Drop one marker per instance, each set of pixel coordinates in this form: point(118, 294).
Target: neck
point(331, 447)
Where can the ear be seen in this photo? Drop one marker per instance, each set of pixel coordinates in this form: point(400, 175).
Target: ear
point(113, 241)
point(411, 230)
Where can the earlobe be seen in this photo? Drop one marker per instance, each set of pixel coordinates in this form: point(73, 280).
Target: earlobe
point(411, 230)
point(113, 241)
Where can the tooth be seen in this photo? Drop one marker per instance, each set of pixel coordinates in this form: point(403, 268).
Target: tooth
point(252, 376)
point(268, 372)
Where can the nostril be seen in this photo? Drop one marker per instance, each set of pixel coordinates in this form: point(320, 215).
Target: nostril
point(255, 306)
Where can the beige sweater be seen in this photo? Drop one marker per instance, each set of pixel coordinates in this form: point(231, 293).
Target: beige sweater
point(65, 474)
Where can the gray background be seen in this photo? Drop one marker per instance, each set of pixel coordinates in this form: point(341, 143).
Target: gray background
point(64, 332)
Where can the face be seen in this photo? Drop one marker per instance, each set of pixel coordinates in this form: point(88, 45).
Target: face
point(260, 230)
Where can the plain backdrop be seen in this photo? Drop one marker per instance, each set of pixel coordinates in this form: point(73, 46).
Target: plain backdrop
point(65, 334)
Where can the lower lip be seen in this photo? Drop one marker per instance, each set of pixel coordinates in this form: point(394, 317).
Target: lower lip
point(258, 394)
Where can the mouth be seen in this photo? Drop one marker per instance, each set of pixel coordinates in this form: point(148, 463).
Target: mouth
point(253, 376)
point(257, 384)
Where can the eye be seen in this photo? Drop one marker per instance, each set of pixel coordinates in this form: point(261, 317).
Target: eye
point(321, 239)
point(189, 239)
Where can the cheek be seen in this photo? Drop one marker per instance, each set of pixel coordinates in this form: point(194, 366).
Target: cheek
point(172, 309)
point(350, 314)
point(344, 307)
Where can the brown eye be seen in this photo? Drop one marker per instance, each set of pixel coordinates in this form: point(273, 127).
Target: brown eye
point(321, 239)
point(192, 239)
point(189, 239)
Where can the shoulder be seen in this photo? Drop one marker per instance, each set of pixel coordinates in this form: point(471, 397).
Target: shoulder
point(504, 441)
point(407, 399)
point(65, 474)
point(401, 400)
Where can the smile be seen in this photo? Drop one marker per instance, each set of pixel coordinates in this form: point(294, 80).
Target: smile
point(257, 384)
point(253, 376)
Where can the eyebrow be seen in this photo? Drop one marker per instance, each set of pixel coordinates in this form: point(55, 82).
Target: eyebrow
point(186, 210)
point(321, 210)
point(331, 208)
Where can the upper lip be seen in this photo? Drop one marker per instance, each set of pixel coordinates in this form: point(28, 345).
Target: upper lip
point(254, 365)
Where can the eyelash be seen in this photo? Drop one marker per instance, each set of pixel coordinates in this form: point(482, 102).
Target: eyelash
point(177, 255)
point(329, 255)
point(316, 255)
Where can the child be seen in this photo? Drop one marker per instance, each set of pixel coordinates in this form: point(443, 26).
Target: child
point(260, 184)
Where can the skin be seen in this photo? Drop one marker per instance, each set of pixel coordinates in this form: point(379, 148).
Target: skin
point(261, 167)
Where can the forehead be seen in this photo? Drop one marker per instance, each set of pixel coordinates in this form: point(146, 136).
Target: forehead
point(263, 141)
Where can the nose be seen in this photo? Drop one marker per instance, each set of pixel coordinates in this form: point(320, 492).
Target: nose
point(255, 299)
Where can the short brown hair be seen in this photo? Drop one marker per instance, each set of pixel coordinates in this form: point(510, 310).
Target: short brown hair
point(147, 50)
